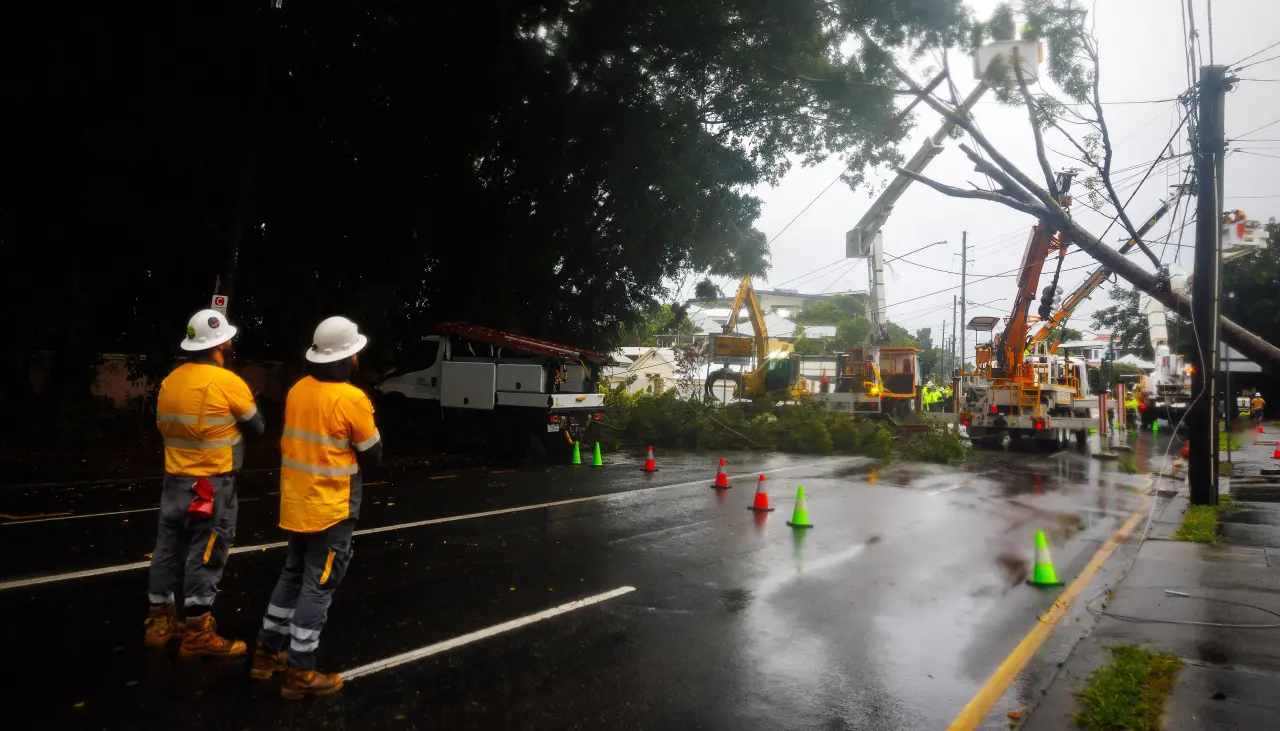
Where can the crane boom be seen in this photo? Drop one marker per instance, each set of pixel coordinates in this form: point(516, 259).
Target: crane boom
point(1099, 275)
point(864, 240)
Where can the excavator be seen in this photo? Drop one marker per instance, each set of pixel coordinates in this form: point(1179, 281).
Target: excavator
point(777, 365)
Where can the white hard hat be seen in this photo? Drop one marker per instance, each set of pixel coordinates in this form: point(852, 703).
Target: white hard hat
point(207, 329)
point(336, 338)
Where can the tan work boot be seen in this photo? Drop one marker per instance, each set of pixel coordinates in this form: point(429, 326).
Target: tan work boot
point(162, 625)
point(201, 640)
point(266, 663)
point(300, 683)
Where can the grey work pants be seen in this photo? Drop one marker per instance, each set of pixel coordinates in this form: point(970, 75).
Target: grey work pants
point(201, 543)
point(313, 568)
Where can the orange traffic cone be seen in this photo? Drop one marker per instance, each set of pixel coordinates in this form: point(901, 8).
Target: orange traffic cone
point(722, 479)
point(1276, 454)
point(1260, 429)
point(761, 505)
point(1186, 449)
point(649, 466)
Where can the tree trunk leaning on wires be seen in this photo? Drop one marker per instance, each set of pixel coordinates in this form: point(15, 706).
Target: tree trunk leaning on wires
point(1074, 68)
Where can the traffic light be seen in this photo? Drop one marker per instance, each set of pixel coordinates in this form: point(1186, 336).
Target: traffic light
point(1050, 301)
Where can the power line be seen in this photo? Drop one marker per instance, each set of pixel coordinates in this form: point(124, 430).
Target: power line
point(1237, 138)
point(1255, 53)
point(1255, 63)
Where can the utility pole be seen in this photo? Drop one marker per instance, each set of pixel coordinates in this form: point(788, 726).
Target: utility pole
point(954, 301)
point(1202, 470)
point(964, 271)
point(942, 345)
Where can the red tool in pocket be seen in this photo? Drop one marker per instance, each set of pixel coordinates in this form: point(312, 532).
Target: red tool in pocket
point(202, 504)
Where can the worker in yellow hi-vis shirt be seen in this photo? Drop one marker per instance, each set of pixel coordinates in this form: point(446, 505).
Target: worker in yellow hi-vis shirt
point(202, 411)
point(329, 437)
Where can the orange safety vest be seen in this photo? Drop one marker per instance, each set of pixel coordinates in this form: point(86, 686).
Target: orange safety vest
point(325, 425)
point(196, 413)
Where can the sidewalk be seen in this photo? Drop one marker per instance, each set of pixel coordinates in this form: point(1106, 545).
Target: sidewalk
point(1230, 677)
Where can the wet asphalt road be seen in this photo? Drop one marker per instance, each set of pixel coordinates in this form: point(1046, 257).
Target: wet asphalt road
point(889, 614)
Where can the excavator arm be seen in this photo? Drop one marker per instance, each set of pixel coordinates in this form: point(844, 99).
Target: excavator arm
point(746, 295)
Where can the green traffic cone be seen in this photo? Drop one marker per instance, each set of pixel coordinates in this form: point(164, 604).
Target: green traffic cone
point(1043, 575)
point(1155, 427)
point(800, 516)
point(595, 460)
point(1092, 431)
point(577, 455)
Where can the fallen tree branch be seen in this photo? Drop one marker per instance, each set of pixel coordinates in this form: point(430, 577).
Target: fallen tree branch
point(986, 195)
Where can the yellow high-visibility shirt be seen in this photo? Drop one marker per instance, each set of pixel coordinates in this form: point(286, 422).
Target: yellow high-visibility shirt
point(325, 425)
point(1257, 404)
point(196, 413)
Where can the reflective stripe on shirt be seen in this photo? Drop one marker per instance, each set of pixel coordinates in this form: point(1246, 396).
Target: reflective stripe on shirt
point(207, 444)
point(366, 444)
point(310, 436)
point(322, 470)
point(195, 419)
point(252, 412)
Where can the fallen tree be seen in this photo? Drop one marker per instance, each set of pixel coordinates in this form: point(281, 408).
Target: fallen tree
point(1075, 70)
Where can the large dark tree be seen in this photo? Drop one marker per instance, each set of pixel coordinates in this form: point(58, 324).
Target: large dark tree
point(538, 166)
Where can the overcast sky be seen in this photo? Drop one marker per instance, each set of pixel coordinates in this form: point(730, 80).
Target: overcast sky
point(1142, 48)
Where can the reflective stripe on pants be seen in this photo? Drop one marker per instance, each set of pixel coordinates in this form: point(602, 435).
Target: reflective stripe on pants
point(314, 566)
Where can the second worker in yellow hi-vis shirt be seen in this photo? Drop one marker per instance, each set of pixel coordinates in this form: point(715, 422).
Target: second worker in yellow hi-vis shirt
point(201, 411)
point(329, 435)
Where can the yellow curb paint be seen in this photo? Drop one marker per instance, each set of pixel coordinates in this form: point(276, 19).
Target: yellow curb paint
point(982, 703)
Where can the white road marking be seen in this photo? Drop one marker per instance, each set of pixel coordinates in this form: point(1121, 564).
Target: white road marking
point(95, 515)
point(1057, 454)
point(20, 583)
point(497, 629)
point(948, 488)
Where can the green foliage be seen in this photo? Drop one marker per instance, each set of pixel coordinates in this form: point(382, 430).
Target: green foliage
point(1249, 293)
point(830, 311)
point(660, 320)
point(541, 167)
point(1128, 322)
point(810, 346)
point(640, 419)
point(1130, 691)
point(706, 290)
point(851, 332)
point(899, 336)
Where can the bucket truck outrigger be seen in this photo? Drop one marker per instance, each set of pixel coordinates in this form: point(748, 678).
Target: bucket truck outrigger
point(874, 379)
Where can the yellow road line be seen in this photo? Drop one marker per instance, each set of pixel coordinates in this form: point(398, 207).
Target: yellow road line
point(442, 477)
point(982, 703)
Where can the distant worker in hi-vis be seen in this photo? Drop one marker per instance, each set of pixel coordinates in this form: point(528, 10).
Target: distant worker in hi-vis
point(329, 436)
point(203, 412)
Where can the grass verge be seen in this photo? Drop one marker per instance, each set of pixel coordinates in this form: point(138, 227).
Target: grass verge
point(1129, 692)
point(1199, 525)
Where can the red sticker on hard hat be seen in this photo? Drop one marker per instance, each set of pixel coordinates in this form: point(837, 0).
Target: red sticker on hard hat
point(214, 322)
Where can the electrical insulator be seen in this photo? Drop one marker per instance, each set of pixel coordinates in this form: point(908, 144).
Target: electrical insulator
point(1050, 301)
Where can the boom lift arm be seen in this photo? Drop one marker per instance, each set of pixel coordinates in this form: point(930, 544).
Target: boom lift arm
point(1046, 327)
point(864, 240)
